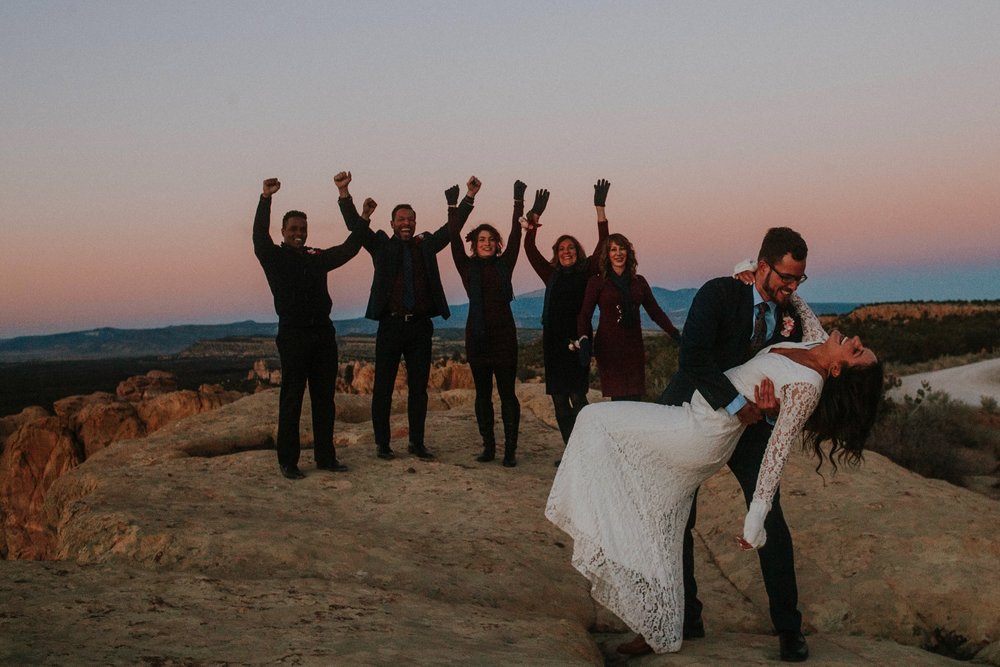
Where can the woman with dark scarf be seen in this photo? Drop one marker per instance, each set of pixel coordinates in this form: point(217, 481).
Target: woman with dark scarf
point(490, 334)
point(565, 277)
point(619, 291)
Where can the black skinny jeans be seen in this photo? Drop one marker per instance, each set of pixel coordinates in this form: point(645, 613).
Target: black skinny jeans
point(510, 407)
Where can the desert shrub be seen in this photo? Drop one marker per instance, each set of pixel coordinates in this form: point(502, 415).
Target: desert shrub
point(928, 433)
point(530, 353)
point(661, 364)
point(911, 340)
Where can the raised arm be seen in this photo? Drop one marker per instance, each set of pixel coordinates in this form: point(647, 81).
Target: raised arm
point(455, 223)
point(798, 400)
point(349, 211)
point(336, 256)
point(538, 263)
point(656, 313)
point(456, 216)
point(262, 243)
point(519, 221)
point(601, 188)
point(541, 266)
point(812, 328)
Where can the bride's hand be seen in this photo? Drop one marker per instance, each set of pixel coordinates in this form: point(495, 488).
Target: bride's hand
point(753, 526)
point(763, 396)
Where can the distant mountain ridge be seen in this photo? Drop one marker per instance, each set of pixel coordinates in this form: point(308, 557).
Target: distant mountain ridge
point(107, 342)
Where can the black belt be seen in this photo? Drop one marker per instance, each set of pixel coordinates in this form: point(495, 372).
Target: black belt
point(407, 317)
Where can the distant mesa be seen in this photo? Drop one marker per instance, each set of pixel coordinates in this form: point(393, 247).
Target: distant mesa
point(105, 343)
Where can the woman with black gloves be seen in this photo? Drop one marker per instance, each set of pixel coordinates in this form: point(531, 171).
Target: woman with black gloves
point(565, 277)
point(490, 334)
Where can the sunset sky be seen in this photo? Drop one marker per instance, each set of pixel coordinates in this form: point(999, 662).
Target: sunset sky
point(135, 136)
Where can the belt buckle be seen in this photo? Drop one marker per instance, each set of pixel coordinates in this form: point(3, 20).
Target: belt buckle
point(407, 317)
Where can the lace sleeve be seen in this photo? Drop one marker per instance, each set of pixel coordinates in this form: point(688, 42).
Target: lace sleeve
point(812, 328)
point(798, 400)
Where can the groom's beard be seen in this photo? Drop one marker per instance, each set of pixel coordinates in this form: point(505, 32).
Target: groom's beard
point(779, 293)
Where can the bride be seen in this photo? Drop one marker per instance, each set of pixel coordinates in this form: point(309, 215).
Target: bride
point(624, 488)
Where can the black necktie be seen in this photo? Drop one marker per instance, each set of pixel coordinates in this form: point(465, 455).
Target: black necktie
point(759, 328)
point(408, 299)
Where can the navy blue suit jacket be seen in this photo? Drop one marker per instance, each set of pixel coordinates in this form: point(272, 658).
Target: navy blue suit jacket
point(716, 338)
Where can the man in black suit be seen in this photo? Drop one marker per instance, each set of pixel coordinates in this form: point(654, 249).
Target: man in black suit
point(727, 324)
point(406, 293)
point(307, 341)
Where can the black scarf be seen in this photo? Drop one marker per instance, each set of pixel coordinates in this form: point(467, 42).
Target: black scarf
point(624, 285)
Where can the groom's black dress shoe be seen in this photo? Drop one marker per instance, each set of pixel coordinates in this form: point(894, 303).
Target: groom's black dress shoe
point(637, 646)
point(793, 646)
point(291, 472)
point(694, 629)
point(336, 466)
point(384, 452)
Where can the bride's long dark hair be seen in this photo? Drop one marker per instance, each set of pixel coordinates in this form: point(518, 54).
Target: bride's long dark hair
point(845, 415)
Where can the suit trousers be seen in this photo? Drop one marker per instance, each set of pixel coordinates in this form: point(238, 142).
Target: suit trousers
point(411, 341)
point(308, 356)
point(777, 558)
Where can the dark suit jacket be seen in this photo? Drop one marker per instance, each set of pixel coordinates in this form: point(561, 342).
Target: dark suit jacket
point(717, 337)
point(386, 257)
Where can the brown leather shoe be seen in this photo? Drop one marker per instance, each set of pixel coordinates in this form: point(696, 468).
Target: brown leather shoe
point(637, 646)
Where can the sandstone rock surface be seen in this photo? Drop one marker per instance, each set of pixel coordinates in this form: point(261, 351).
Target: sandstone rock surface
point(187, 547)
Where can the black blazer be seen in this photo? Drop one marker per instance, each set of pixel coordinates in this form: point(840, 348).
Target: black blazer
point(716, 338)
point(386, 257)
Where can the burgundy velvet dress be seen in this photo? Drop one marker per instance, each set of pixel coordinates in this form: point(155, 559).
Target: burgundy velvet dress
point(620, 353)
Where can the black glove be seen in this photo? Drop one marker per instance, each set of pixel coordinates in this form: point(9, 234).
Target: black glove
point(541, 199)
point(585, 353)
point(451, 194)
point(601, 188)
point(519, 188)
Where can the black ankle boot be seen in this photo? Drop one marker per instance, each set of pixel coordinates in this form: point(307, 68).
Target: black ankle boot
point(489, 453)
point(509, 460)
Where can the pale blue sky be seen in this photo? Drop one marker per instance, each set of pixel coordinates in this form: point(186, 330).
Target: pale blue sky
point(135, 136)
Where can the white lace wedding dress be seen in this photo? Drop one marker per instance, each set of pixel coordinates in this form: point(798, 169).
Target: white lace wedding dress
point(624, 487)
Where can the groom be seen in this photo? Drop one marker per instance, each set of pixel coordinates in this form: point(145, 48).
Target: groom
point(727, 324)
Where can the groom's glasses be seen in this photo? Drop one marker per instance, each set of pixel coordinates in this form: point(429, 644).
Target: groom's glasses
point(787, 277)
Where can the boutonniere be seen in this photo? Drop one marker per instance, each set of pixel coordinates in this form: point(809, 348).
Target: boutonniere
point(787, 326)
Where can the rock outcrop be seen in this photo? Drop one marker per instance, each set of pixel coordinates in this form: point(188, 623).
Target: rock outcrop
point(34, 457)
point(143, 387)
point(172, 545)
point(358, 377)
point(38, 447)
point(11, 423)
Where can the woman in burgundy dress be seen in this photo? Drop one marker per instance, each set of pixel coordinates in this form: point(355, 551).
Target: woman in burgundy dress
point(490, 334)
point(619, 291)
point(565, 277)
